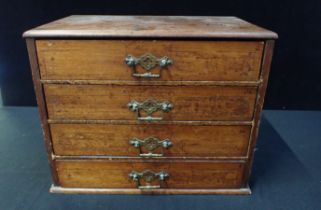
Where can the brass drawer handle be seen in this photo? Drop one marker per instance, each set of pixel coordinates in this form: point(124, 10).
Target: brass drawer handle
point(149, 106)
point(147, 62)
point(151, 143)
point(148, 176)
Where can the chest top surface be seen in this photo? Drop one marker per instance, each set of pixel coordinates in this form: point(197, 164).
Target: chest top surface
point(91, 26)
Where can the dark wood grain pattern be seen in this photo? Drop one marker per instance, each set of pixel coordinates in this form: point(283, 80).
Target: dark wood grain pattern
point(217, 85)
point(182, 175)
point(104, 59)
point(41, 105)
point(151, 27)
point(266, 63)
point(110, 102)
point(113, 140)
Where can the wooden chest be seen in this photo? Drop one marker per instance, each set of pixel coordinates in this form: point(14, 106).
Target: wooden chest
point(150, 105)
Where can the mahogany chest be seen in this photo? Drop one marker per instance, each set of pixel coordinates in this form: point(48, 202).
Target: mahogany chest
point(150, 104)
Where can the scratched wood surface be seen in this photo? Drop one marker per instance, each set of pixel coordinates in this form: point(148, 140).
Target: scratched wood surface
point(114, 174)
point(110, 102)
point(151, 26)
point(216, 83)
point(192, 60)
point(113, 140)
point(41, 101)
point(266, 64)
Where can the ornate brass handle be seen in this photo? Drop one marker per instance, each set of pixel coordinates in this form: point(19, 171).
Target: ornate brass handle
point(148, 176)
point(149, 106)
point(147, 62)
point(151, 143)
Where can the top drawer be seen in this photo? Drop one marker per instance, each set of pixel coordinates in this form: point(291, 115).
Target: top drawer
point(191, 60)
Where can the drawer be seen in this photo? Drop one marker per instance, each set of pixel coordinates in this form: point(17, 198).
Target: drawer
point(150, 103)
point(179, 175)
point(142, 140)
point(191, 60)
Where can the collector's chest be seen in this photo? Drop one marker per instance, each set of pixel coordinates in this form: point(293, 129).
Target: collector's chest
point(150, 104)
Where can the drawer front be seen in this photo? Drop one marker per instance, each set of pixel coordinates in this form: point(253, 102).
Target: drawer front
point(150, 140)
point(137, 102)
point(180, 175)
point(191, 60)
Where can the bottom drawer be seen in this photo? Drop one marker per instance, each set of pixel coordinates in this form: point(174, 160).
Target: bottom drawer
point(150, 174)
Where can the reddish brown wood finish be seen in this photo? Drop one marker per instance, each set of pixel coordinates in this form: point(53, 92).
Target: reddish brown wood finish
point(265, 70)
point(110, 102)
point(182, 175)
point(188, 140)
point(41, 104)
point(104, 59)
point(94, 26)
point(215, 109)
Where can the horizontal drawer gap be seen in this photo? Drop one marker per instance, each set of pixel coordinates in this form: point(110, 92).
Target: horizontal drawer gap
point(134, 122)
point(178, 83)
point(139, 159)
point(166, 159)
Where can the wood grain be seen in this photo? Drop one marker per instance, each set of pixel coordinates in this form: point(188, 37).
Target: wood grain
point(183, 175)
point(217, 85)
point(110, 102)
point(193, 60)
point(266, 64)
point(41, 105)
point(95, 26)
point(113, 140)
